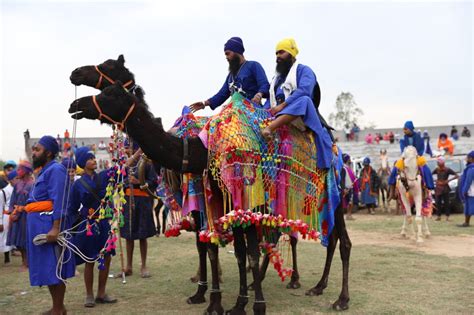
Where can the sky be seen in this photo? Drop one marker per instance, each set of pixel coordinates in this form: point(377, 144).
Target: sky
point(401, 60)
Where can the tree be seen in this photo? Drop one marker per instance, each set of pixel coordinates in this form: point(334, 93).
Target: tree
point(347, 111)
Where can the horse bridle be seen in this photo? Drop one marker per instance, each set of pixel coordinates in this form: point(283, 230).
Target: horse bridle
point(103, 75)
point(120, 125)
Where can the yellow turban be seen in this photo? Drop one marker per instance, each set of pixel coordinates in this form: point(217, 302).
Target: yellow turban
point(288, 45)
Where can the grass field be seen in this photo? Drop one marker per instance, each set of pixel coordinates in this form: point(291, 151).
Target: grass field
point(383, 279)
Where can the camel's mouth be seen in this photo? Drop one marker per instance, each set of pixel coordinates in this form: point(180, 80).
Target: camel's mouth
point(76, 110)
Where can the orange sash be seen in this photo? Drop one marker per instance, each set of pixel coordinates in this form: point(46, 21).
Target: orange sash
point(136, 192)
point(39, 206)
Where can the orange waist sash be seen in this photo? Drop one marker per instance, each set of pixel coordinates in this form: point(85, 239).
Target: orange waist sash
point(136, 192)
point(39, 206)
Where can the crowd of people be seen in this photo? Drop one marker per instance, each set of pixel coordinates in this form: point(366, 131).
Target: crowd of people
point(32, 201)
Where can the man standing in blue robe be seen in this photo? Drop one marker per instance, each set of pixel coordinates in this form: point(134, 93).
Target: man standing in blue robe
point(47, 214)
point(245, 76)
point(291, 100)
point(86, 195)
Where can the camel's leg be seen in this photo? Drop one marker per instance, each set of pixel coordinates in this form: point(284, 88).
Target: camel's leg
point(263, 269)
point(241, 255)
point(345, 246)
point(215, 303)
point(295, 276)
point(259, 306)
point(323, 282)
point(202, 250)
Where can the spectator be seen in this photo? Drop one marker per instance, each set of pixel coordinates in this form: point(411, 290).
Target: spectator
point(466, 132)
point(442, 188)
point(466, 189)
point(391, 137)
point(454, 133)
point(369, 188)
point(444, 144)
point(59, 141)
point(102, 145)
point(369, 138)
point(356, 130)
point(66, 135)
point(8, 167)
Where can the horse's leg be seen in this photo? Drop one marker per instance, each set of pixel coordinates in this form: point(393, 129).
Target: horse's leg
point(259, 306)
point(323, 282)
point(406, 204)
point(427, 230)
point(295, 276)
point(241, 255)
point(345, 246)
point(202, 250)
point(215, 303)
point(417, 197)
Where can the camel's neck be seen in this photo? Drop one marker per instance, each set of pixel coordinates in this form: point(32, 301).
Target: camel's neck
point(163, 148)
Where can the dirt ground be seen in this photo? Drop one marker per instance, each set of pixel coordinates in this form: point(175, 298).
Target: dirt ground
point(461, 245)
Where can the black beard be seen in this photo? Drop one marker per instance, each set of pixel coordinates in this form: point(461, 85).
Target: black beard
point(234, 65)
point(40, 160)
point(284, 66)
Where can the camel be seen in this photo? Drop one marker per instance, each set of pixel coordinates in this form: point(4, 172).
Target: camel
point(409, 184)
point(116, 106)
point(105, 74)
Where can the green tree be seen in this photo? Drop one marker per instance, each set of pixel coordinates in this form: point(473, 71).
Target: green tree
point(347, 111)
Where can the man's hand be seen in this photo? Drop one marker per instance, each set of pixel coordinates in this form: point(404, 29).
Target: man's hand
point(134, 180)
point(198, 105)
point(275, 110)
point(257, 99)
point(52, 235)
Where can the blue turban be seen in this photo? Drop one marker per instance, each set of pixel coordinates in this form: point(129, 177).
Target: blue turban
point(345, 157)
point(409, 125)
point(471, 155)
point(9, 163)
point(366, 161)
point(69, 163)
point(12, 175)
point(50, 144)
point(126, 144)
point(443, 135)
point(235, 44)
point(84, 154)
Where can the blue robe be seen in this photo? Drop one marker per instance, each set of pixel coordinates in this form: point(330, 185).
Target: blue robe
point(466, 181)
point(417, 141)
point(251, 78)
point(89, 245)
point(300, 103)
point(17, 230)
point(142, 224)
point(43, 259)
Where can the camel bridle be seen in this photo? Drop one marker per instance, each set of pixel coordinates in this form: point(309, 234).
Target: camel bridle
point(121, 124)
point(111, 81)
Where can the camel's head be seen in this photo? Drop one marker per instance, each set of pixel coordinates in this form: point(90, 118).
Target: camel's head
point(103, 75)
point(112, 105)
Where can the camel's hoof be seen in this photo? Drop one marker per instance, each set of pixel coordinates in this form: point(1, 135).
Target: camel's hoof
point(196, 299)
point(259, 308)
point(212, 310)
point(235, 311)
point(341, 304)
point(293, 285)
point(317, 290)
point(239, 308)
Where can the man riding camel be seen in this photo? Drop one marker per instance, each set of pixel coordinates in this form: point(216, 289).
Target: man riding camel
point(291, 99)
point(245, 76)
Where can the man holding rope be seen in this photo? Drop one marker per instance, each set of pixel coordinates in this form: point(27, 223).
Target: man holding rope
point(50, 263)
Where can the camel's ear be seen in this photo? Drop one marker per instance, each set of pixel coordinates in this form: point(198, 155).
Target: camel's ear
point(121, 60)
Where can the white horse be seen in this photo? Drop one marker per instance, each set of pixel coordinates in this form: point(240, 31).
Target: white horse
point(384, 173)
point(409, 185)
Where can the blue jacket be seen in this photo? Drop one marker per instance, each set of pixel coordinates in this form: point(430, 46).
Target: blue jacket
point(251, 78)
point(415, 140)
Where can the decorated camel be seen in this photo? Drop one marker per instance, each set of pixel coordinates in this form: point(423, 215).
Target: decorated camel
point(116, 106)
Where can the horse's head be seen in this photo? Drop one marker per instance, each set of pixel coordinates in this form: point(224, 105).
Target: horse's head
point(410, 156)
point(103, 75)
point(113, 105)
